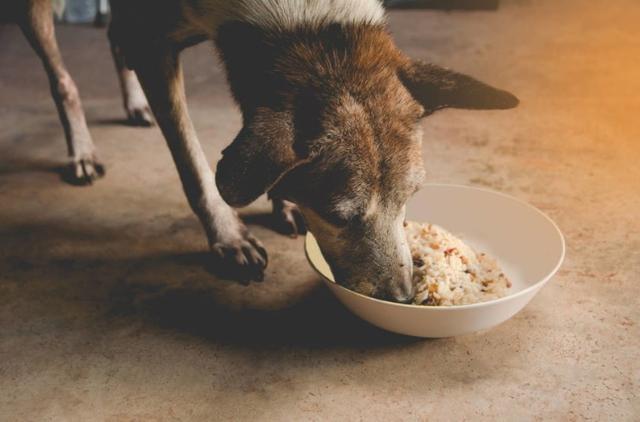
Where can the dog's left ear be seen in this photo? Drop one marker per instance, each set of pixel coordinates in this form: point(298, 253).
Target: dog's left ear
point(435, 87)
point(260, 155)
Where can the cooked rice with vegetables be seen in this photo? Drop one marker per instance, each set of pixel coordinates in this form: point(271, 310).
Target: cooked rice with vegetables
point(448, 272)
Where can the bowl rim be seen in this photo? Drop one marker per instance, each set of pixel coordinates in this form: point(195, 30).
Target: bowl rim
point(522, 292)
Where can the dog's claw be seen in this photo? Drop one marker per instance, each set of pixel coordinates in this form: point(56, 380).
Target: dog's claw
point(288, 218)
point(84, 171)
point(140, 116)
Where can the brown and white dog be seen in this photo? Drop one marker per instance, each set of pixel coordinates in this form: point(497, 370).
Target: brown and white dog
point(331, 122)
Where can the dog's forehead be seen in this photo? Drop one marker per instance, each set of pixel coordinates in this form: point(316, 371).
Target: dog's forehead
point(374, 173)
point(379, 139)
point(368, 148)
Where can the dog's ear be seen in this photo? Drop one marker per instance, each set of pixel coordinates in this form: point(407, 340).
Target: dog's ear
point(436, 87)
point(260, 155)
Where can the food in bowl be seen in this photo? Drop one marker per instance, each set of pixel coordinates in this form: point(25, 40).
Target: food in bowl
point(448, 272)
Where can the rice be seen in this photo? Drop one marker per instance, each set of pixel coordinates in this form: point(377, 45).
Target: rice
point(448, 272)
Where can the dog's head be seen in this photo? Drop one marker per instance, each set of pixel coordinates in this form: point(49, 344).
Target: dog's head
point(343, 141)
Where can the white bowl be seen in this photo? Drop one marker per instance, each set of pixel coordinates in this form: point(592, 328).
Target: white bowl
point(527, 244)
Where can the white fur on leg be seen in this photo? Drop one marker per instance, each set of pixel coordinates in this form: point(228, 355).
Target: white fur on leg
point(135, 102)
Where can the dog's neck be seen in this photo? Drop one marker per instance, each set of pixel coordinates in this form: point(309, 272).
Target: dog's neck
point(202, 19)
point(289, 68)
point(208, 15)
point(289, 14)
point(255, 37)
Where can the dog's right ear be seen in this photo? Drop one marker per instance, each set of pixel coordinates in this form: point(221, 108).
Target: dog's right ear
point(436, 87)
point(260, 155)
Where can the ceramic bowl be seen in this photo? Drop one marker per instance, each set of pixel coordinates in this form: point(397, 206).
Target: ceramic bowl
point(528, 245)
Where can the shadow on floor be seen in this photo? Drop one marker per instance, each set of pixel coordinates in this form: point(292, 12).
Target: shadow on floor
point(172, 291)
point(114, 121)
point(121, 121)
point(312, 320)
point(23, 165)
point(18, 165)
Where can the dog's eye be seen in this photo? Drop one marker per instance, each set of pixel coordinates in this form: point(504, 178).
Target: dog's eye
point(336, 219)
point(356, 220)
point(342, 220)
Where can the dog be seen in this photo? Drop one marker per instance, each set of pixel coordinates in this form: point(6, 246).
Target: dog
point(331, 122)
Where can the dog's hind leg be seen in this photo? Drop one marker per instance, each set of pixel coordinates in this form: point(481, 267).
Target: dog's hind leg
point(135, 102)
point(37, 25)
point(237, 253)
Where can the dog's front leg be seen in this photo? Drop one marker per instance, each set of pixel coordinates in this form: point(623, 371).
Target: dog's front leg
point(288, 217)
point(238, 253)
point(36, 22)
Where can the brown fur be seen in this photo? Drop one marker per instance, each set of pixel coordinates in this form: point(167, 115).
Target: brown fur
point(337, 93)
point(330, 126)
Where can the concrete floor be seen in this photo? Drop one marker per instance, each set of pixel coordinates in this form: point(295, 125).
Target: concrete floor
point(107, 314)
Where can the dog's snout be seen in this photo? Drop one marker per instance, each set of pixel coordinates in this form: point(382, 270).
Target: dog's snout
point(403, 293)
point(401, 289)
point(403, 298)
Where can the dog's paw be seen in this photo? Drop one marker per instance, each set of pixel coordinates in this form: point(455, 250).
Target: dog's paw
point(140, 115)
point(288, 218)
point(83, 171)
point(239, 256)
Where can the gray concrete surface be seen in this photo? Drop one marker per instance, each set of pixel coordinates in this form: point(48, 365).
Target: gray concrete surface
point(107, 314)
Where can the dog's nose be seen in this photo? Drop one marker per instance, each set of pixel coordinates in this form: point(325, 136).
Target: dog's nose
point(403, 298)
point(405, 295)
point(402, 290)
